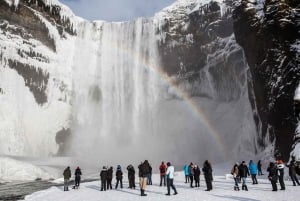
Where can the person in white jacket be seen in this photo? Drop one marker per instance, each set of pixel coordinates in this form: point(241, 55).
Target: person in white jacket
point(170, 178)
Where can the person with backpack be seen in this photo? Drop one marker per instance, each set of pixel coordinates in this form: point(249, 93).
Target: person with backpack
point(119, 176)
point(103, 178)
point(77, 177)
point(253, 171)
point(162, 170)
point(67, 176)
point(131, 176)
point(170, 178)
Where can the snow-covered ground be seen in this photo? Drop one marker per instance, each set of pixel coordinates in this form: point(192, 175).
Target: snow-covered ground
point(222, 190)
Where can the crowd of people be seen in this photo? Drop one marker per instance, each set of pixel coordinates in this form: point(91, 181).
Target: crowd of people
point(192, 173)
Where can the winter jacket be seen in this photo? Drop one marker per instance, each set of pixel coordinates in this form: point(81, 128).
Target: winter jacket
point(252, 168)
point(186, 170)
point(110, 173)
point(103, 174)
point(144, 169)
point(197, 172)
point(292, 168)
point(131, 171)
point(67, 173)
point(191, 170)
point(77, 173)
point(119, 173)
point(235, 171)
point(272, 172)
point(170, 172)
point(243, 171)
point(162, 169)
point(207, 171)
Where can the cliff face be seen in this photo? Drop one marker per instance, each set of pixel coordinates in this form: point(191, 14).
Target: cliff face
point(269, 34)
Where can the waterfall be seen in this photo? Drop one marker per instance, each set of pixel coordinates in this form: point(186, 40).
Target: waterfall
point(116, 87)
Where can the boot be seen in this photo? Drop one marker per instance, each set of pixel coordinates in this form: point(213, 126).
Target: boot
point(246, 188)
point(143, 193)
point(238, 188)
point(243, 187)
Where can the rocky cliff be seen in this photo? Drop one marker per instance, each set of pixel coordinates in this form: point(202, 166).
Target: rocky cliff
point(269, 33)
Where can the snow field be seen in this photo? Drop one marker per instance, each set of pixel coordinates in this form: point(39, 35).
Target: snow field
point(222, 190)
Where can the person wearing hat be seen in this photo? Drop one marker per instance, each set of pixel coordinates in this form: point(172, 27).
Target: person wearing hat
point(67, 176)
point(119, 176)
point(103, 178)
point(170, 178)
point(77, 177)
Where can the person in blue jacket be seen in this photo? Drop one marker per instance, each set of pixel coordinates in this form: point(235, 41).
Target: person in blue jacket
point(186, 173)
point(253, 171)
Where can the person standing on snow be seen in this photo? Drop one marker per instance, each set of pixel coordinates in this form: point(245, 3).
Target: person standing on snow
point(77, 177)
point(280, 168)
point(197, 173)
point(131, 176)
point(244, 172)
point(253, 171)
point(292, 171)
point(162, 170)
point(186, 173)
point(272, 175)
point(119, 176)
point(207, 171)
point(235, 174)
point(67, 176)
point(191, 174)
point(259, 168)
point(144, 169)
point(109, 177)
point(170, 178)
point(149, 176)
point(103, 178)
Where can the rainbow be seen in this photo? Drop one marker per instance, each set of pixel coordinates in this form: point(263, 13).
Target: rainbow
point(193, 106)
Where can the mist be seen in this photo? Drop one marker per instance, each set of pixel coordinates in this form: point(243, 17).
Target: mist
point(125, 111)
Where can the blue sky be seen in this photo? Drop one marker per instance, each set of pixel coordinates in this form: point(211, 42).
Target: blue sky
point(116, 10)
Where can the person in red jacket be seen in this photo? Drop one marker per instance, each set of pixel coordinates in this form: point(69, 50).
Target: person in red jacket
point(162, 170)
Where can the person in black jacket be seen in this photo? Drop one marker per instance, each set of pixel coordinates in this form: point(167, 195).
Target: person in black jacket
point(197, 173)
point(119, 176)
point(144, 169)
point(272, 175)
point(103, 177)
point(77, 177)
point(207, 171)
point(259, 168)
point(244, 172)
point(109, 177)
point(131, 176)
